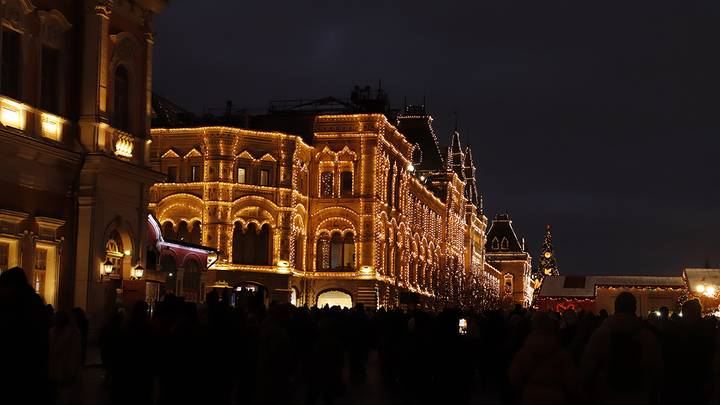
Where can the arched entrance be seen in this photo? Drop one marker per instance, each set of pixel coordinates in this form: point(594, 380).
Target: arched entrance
point(333, 298)
point(249, 295)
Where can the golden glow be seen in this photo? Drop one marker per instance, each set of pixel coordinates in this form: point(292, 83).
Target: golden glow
point(408, 230)
point(700, 288)
point(12, 113)
point(124, 146)
point(547, 255)
point(51, 126)
point(710, 291)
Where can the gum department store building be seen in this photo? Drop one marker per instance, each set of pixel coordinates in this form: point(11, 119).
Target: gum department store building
point(346, 207)
point(338, 208)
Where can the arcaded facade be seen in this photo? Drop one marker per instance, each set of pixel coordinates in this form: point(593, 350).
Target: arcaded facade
point(352, 215)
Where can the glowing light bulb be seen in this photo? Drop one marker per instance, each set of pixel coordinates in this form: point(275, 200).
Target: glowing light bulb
point(700, 288)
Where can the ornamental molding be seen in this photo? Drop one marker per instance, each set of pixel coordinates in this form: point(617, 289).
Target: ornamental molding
point(103, 8)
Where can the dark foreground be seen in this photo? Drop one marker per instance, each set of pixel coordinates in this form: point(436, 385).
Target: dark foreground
point(216, 354)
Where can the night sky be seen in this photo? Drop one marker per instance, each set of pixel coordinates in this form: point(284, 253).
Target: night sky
point(597, 117)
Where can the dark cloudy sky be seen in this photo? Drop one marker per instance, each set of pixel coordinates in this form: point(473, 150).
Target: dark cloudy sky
point(598, 117)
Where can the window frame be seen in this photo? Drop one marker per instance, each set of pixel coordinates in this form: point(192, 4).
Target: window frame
point(244, 177)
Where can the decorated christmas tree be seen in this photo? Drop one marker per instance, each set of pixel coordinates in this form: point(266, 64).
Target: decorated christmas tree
point(547, 264)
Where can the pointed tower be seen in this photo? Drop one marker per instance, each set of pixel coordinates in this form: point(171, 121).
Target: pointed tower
point(547, 265)
point(471, 192)
point(456, 156)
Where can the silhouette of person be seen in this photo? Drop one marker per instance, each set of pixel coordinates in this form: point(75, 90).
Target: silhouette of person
point(65, 359)
point(622, 362)
point(23, 338)
point(542, 369)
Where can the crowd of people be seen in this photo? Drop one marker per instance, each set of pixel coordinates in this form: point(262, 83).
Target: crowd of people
point(214, 353)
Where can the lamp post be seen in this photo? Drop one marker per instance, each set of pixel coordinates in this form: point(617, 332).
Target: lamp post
point(107, 268)
point(137, 272)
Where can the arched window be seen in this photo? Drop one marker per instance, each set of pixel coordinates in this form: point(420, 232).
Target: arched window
point(336, 251)
point(323, 252)
point(495, 244)
point(183, 233)
point(508, 283)
point(191, 276)
point(168, 232)
point(195, 233)
point(238, 244)
point(251, 246)
point(121, 108)
point(263, 248)
point(168, 266)
point(349, 252)
point(413, 268)
point(299, 251)
point(504, 244)
point(396, 262)
point(389, 185)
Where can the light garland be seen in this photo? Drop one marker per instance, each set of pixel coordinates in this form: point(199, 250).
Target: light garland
point(403, 232)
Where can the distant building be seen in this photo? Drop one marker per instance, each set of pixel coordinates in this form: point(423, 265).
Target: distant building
point(595, 293)
point(508, 254)
point(338, 208)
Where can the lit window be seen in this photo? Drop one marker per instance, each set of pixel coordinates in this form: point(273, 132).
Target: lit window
point(241, 175)
point(10, 67)
point(326, 184)
point(264, 177)
point(40, 267)
point(4, 256)
point(346, 183)
point(172, 174)
point(51, 126)
point(195, 174)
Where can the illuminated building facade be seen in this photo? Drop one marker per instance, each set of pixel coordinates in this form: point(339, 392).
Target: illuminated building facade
point(507, 253)
point(358, 211)
point(74, 114)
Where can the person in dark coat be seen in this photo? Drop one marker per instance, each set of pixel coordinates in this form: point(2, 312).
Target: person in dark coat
point(24, 329)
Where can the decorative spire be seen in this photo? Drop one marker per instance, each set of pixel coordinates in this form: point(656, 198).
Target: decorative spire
point(456, 157)
point(471, 192)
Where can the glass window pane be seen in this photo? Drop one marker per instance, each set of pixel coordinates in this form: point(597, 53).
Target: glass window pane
point(49, 99)
point(241, 175)
point(346, 183)
point(172, 174)
point(326, 184)
point(336, 251)
point(264, 177)
point(121, 108)
point(10, 69)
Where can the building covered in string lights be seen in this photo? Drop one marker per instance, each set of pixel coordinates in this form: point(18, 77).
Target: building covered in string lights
point(315, 208)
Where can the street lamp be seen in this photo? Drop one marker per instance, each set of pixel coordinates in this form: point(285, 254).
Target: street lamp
point(107, 268)
point(138, 272)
